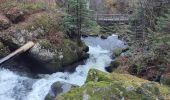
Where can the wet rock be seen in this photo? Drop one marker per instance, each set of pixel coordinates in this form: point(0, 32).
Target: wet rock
point(84, 35)
point(4, 22)
point(104, 36)
point(114, 64)
point(15, 15)
point(58, 88)
point(93, 35)
point(85, 48)
point(116, 52)
point(165, 79)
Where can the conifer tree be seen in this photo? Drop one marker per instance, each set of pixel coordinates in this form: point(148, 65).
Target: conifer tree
point(77, 19)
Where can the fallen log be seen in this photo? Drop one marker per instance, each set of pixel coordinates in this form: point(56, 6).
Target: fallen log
point(22, 49)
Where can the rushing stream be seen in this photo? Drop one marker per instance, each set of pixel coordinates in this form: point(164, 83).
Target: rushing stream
point(14, 86)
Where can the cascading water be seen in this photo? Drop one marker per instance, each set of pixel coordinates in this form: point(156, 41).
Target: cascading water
point(17, 87)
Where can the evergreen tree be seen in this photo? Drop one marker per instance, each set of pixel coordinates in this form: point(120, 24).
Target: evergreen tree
point(77, 20)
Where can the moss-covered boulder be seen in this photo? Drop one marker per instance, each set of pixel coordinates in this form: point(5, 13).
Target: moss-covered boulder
point(105, 86)
point(117, 52)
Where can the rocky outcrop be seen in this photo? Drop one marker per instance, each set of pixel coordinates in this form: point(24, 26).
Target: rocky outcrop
point(4, 22)
point(100, 85)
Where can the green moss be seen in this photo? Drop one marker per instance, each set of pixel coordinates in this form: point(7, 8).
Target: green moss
point(48, 97)
point(97, 76)
point(93, 91)
point(164, 91)
point(117, 52)
point(70, 50)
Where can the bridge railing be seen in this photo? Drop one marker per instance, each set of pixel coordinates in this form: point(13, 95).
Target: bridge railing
point(111, 17)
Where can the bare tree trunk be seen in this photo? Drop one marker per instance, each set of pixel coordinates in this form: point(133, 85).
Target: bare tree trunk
point(78, 21)
point(22, 49)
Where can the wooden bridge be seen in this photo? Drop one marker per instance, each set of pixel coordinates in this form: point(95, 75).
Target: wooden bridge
point(111, 18)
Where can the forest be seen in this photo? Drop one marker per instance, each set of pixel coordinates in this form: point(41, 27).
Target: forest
point(85, 49)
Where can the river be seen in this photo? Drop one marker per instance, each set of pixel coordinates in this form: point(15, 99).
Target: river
point(14, 86)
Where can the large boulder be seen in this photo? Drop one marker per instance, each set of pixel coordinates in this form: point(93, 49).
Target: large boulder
point(56, 58)
point(4, 22)
point(105, 86)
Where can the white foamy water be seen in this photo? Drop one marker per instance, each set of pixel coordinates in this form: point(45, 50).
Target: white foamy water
point(16, 87)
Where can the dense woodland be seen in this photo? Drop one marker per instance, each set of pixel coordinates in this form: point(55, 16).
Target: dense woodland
point(141, 71)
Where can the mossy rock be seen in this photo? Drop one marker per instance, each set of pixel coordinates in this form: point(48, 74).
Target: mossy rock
point(97, 76)
point(165, 79)
point(117, 52)
point(104, 36)
point(113, 65)
point(105, 86)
